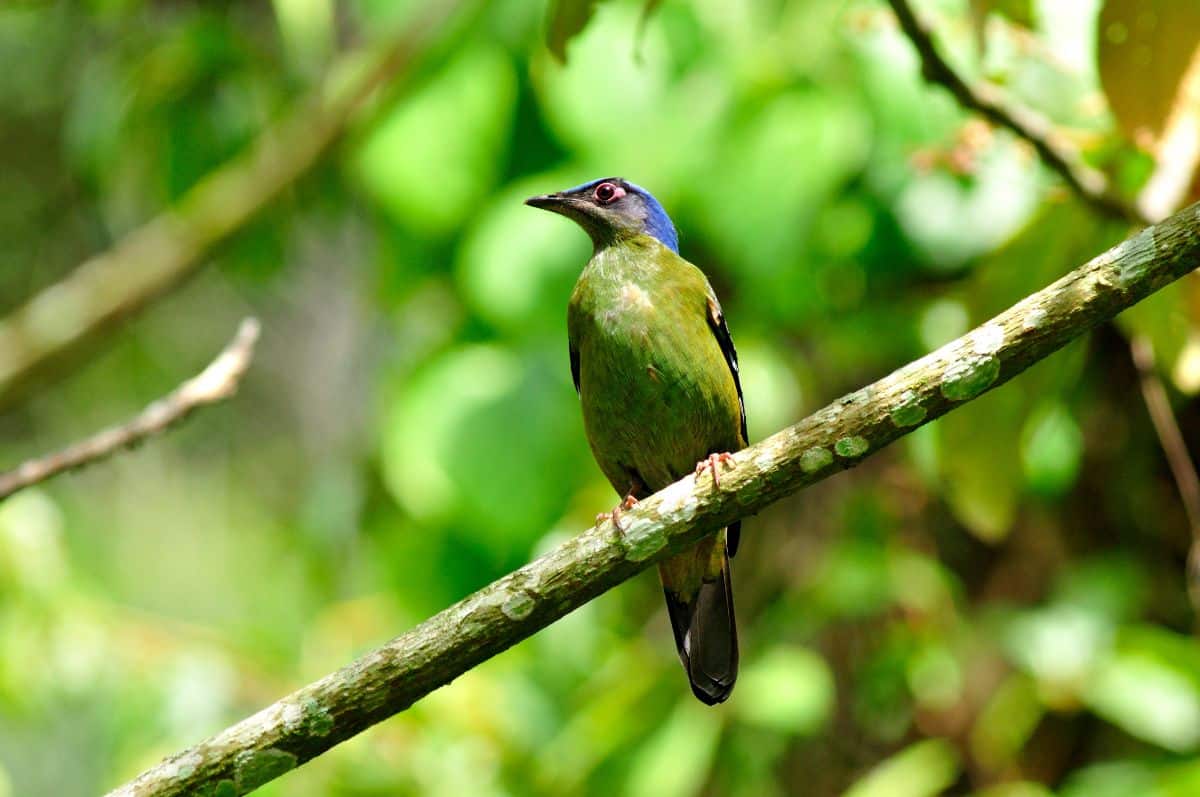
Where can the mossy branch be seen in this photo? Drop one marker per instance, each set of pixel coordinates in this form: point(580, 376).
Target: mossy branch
point(161, 254)
point(391, 678)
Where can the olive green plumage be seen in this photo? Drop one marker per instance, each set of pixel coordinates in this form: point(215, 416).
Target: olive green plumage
point(657, 394)
point(657, 376)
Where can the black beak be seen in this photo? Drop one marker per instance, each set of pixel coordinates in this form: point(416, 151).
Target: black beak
point(549, 202)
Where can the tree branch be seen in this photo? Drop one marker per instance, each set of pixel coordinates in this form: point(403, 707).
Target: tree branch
point(215, 383)
point(391, 678)
point(1090, 184)
point(1094, 188)
point(156, 257)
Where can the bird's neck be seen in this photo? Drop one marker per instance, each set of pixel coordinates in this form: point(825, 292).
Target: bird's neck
point(633, 258)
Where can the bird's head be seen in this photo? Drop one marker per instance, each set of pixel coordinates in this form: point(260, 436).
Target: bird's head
point(610, 209)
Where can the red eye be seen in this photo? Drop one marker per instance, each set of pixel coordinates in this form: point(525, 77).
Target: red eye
point(608, 192)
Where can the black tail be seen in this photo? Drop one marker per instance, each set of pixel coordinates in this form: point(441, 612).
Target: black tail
point(706, 637)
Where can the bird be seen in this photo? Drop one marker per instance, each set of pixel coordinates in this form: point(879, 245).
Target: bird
point(657, 375)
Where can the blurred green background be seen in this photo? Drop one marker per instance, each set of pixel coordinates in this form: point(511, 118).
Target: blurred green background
point(997, 605)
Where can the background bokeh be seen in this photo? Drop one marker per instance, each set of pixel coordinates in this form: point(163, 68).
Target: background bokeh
point(996, 605)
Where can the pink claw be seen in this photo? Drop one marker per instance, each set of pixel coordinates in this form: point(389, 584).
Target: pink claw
point(713, 462)
point(628, 502)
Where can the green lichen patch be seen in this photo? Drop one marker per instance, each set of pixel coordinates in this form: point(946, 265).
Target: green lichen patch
point(966, 379)
point(909, 411)
point(317, 719)
point(256, 767)
point(1134, 257)
point(642, 539)
point(814, 459)
point(851, 447)
point(222, 788)
point(518, 606)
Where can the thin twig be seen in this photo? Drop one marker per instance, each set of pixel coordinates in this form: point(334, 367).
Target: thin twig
point(158, 256)
point(1183, 469)
point(1090, 184)
point(215, 383)
point(391, 678)
point(1168, 430)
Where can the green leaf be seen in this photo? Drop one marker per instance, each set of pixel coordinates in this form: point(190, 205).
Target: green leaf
point(1006, 723)
point(922, 770)
point(1111, 779)
point(516, 265)
point(789, 690)
point(434, 155)
point(1051, 449)
point(676, 760)
point(1150, 687)
point(1150, 699)
point(469, 441)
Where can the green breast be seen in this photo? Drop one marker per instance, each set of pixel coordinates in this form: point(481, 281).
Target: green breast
point(657, 393)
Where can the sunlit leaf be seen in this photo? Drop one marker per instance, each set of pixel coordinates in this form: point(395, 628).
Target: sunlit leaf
point(1145, 49)
point(32, 558)
point(675, 762)
point(1149, 698)
point(1060, 646)
point(788, 689)
point(1006, 722)
point(922, 770)
point(1114, 779)
point(1150, 686)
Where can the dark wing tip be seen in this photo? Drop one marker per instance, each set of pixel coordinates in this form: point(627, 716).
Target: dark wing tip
point(706, 638)
point(709, 691)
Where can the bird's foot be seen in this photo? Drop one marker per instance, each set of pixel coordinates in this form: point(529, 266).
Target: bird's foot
point(628, 502)
point(713, 462)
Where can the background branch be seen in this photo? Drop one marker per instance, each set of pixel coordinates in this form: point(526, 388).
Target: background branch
point(215, 383)
point(159, 255)
point(1183, 469)
point(1090, 184)
point(1093, 187)
point(392, 677)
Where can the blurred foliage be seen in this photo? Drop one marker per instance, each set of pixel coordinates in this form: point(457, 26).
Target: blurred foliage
point(995, 606)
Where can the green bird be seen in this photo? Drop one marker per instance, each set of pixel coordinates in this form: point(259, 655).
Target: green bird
point(657, 375)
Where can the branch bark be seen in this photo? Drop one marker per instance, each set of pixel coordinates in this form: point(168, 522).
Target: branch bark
point(158, 256)
point(390, 679)
point(215, 383)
